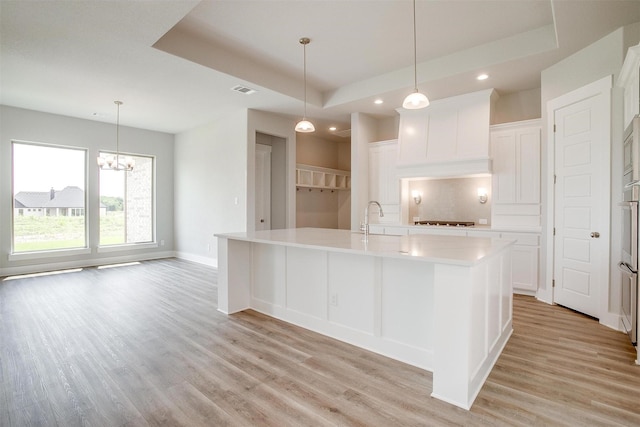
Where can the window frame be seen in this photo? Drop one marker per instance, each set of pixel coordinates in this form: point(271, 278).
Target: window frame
point(47, 253)
point(136, 245)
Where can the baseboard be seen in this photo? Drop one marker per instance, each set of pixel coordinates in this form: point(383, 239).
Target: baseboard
point(83, 263)
point(211, 262)
point(612, 320)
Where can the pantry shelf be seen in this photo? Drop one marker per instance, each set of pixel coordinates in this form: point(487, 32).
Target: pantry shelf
point(308, 176)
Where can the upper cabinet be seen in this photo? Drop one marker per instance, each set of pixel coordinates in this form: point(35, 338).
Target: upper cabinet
point(515, 148)
point(629, 80)
point(451, 134)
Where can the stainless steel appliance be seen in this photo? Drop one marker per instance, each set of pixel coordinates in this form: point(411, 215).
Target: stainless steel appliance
point(629, 263)
point(629, 269)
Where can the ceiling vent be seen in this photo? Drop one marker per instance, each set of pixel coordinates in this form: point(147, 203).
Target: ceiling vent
point(244, 89)
point(344, 133)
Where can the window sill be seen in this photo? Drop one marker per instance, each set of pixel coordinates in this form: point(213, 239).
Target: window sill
point(127, 247)
point(48, 254)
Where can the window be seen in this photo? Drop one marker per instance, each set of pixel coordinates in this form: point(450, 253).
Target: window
point(127, 204)
point(48, 183)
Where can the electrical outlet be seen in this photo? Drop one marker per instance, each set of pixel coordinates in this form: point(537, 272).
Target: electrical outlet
point(482, 221)
point(334, 300)
point(416, 218)
point(208, 247)
point(162, 242)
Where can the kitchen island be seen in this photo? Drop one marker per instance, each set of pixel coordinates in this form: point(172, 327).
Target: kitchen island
point(441, 303)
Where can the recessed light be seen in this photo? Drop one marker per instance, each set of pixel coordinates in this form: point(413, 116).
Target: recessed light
point(378, 101)
point(483, 77)
point(332, 128)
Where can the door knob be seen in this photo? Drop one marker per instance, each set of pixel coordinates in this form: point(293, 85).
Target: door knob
point(595, 234)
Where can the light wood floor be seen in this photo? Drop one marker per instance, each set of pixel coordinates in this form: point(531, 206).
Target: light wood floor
point(144, 345)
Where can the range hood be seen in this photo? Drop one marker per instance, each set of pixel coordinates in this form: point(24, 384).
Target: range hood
point(453, 169)
point(447, 139)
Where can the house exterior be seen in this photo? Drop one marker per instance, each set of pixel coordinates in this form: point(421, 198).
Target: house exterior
point(69, 201)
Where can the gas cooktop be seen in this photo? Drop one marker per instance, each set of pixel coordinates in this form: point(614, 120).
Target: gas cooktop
point(447, 223)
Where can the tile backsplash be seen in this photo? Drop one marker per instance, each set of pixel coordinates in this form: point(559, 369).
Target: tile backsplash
point(451, 199)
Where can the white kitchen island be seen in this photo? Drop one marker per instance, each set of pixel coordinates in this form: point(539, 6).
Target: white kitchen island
point(441, 303)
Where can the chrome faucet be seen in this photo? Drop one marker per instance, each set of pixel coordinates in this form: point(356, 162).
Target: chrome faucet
point(365, 227)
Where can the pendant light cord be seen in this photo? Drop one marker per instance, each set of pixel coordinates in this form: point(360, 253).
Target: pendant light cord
point(304, 67)
point(415, 51)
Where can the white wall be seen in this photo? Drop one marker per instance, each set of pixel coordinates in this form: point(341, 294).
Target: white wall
point(215, 167)
point(34, 126)
point(364, 129)
point(344, 197)
point(598, 60)
point(211, 176)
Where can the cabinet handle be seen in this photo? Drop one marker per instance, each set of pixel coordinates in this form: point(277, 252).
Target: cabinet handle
point(595, 234)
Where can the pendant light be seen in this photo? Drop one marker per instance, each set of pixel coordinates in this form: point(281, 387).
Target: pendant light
point(305, 125)
point(116, 162)
point(415, 100)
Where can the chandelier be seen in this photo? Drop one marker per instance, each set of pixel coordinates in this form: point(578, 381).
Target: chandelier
point(116, 162)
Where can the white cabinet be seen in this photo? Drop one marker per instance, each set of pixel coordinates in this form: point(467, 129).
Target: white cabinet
point(515, 149)
point(438, 231)
point(492, 234)
point(524, 262)
point(629, 80)
point(525, 252)
point(449, 136)
point(324, 178)
point(384, 185)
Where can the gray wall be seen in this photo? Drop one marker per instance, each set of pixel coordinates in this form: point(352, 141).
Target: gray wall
point(323, 208)
point(518, 106)
point(33, 126)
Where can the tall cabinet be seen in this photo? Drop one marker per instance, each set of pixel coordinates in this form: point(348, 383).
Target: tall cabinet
point(515, 150)
point(384, 183)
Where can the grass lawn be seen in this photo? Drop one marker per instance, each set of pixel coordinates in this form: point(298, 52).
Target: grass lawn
point(37, 233)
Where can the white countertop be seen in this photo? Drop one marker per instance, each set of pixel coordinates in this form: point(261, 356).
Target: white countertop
point(438, 249)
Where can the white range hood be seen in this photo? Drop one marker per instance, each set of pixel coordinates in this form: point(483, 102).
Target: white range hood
point(447, 139)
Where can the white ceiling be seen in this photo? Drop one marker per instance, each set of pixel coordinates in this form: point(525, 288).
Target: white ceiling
point(173, 63)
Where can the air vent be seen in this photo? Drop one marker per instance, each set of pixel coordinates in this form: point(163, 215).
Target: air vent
point(244, 89)
point(344, 133)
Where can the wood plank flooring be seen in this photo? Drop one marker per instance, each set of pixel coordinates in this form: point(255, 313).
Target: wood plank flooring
point(144, 345)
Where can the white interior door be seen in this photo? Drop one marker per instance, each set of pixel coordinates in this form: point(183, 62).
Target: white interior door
point(581, 256)
point(263, 187)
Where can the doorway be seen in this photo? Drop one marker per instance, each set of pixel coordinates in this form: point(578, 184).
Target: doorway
point(270, 182)
point(582, 144)
point(263, 187)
